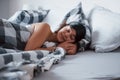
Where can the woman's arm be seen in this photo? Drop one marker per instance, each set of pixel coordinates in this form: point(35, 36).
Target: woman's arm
point(41, 31)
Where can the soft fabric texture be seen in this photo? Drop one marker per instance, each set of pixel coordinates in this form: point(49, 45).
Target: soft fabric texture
point(31, 62)
point(13, 36)
point(77, 15)
point(25, 17)
point(13, 39)
point(105, 30)
point(12, 55)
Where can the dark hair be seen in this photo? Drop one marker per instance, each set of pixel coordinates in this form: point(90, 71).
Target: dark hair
point(80, 30)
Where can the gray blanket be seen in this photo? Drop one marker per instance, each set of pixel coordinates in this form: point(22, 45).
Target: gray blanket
point(13, 39)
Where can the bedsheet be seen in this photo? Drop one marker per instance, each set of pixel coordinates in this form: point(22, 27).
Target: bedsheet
point(86, 65)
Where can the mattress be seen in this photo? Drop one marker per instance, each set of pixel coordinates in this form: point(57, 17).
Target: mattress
point(86, 65)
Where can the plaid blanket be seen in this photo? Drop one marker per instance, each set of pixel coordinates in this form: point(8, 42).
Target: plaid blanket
point(13, 39)
point(25, 17)
point(18, 56)
point(31, 62)
point(13, 36)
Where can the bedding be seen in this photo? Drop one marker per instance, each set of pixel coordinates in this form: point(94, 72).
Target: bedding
point(105, 29)
point(13, 38)
point(75, 15)
point(86, 65)
point(37, 60)
point(25, 17)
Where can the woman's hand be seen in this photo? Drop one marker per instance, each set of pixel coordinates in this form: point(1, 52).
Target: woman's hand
point(70, 48)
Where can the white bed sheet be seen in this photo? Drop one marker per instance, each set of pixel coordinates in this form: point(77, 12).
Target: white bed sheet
point(86, 65)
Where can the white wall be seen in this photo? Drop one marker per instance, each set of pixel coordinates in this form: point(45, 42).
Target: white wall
point(4, 8)
point(9, 7)
point(15, 5)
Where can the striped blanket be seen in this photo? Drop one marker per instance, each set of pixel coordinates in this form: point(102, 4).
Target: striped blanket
point(13, 39)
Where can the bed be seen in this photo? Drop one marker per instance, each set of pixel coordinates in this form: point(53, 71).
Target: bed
point(102, 61)
point(88, 65)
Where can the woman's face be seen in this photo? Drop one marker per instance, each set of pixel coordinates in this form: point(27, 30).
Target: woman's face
point(66, 34)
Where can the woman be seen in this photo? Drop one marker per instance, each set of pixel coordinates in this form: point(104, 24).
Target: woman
point(66, 36)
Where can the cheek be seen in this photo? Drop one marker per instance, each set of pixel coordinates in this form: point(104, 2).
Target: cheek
point(58, 34)
point(58, 37)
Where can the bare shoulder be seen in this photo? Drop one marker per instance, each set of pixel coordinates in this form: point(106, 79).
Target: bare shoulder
point(42, 24)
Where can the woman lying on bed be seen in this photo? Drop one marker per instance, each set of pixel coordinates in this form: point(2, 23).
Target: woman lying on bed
point(66, 37)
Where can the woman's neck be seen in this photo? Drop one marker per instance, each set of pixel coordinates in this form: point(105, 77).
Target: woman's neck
point(52, 38)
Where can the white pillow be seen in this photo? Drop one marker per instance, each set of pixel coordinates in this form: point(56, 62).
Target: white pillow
point(105, 30)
